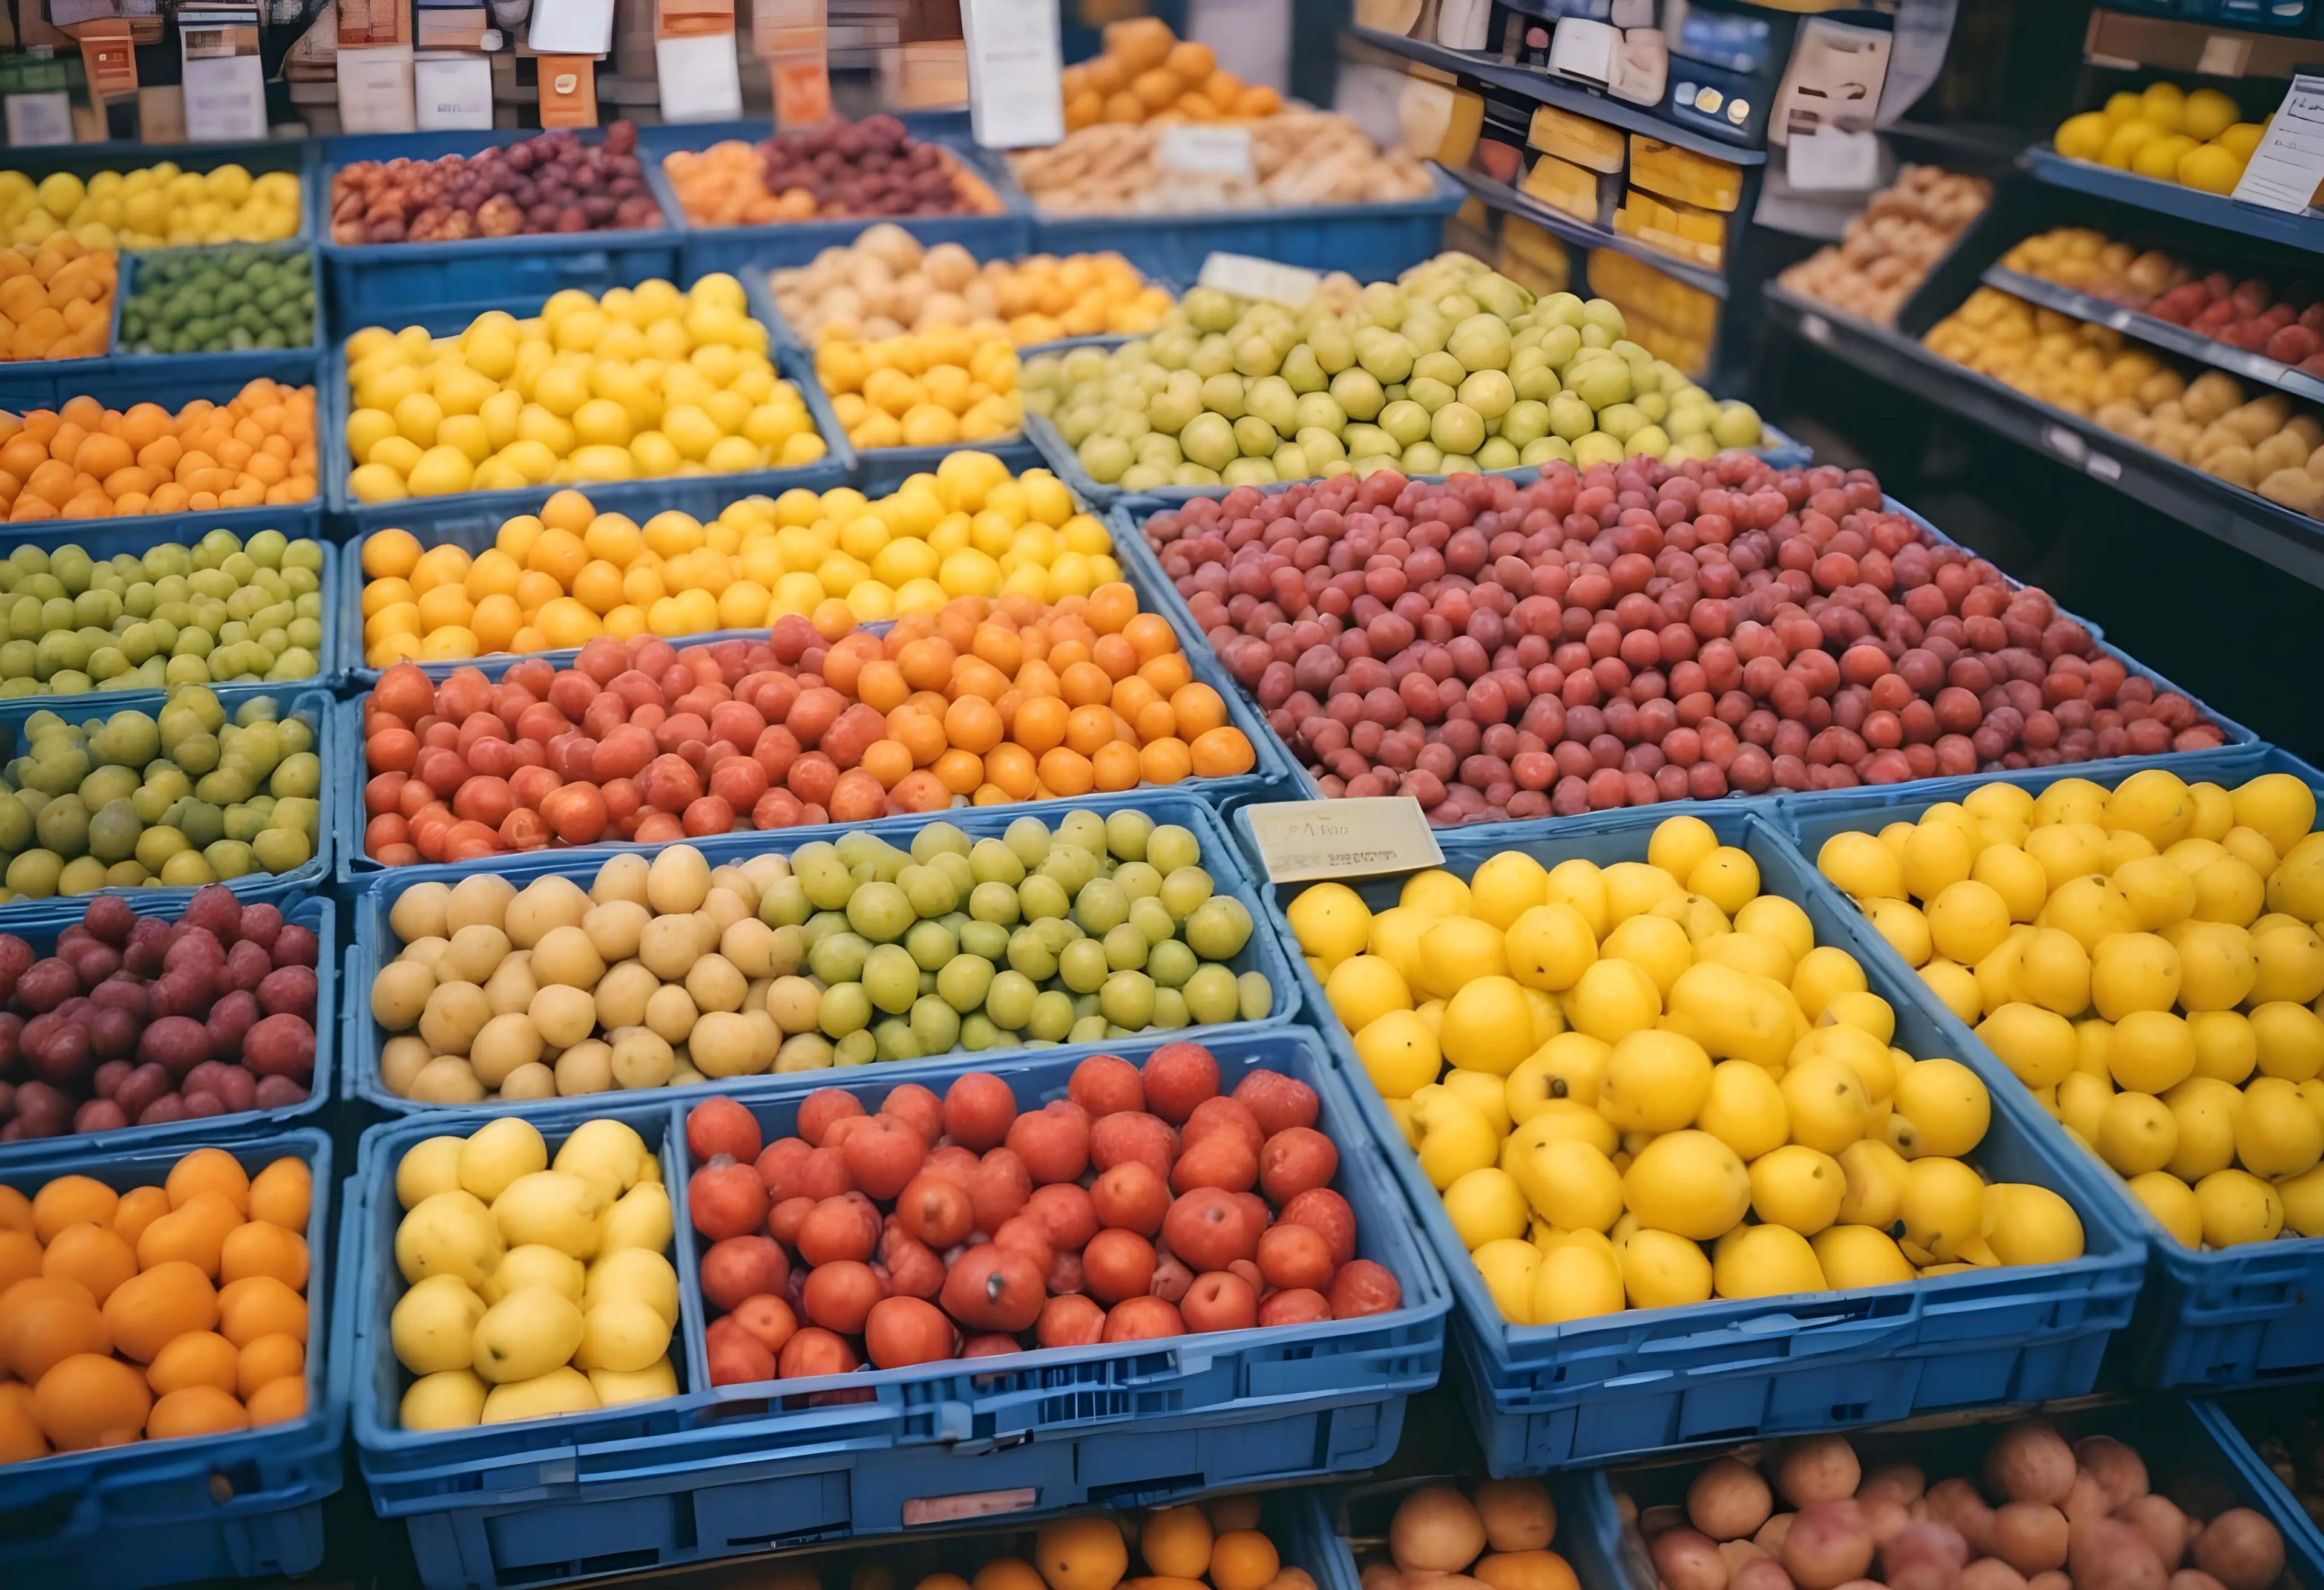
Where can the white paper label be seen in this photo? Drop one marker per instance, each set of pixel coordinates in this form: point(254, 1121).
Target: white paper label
point(1243, 277)
point(225, 98)
point(571, 27)
point(700, 81)
point(1304, 839)
point(1833, 159)
point(2225, 55)
point(376, 89)
point(2285, 170)
point(1816, 329)
point(2064, 443)
point(1205, 148)
point(452, 91)
point(1015, 100)
point(39, 118)
point(2106, 469)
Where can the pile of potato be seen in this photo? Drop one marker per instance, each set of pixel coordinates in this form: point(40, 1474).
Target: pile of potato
point(1896, 242)
point(1299, 159)
point(886, 283)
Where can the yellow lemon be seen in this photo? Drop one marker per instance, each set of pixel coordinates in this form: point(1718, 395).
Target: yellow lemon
point(1549, 946)
point(1687, 1182)
point(1937, 854)
point(2288, 1041)
point(2158, 892)
point(1582, 885)
point(2218, 965)
point(2211, 168)
point(1331, 922)
point(1576, 1282)
point(1955, 987)
point(1566, 1067)
point(2031, 1225)
point(1571, 1184)
point(1858, 1255)
point(1455, 950)
point(2083, 137)
point(1654, 945)
point(1947, 1106)
point(2150, 1051)
point(1942, 1206)
point(1765, 1262)
point(1797, 1187)
point(2203, 1111)
point(1612, 999)
point(1822, 972)
point(1399, 1051)
point(1364, 988)
point(1508, 1266)
point(2173, 1205)
point(2236, 1207)
point(1904, 927)
point(1743, 1109)
point(1874, 1185)
point(1506, 886)
point(1654, 1081)
point(2136, 1134)
point(1484, 1205)
point(2277, 1133)
point(1488, 1025)
point(1436, 893)
point(1662, 1270)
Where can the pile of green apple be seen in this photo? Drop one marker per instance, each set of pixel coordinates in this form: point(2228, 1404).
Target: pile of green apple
point(1452, 367)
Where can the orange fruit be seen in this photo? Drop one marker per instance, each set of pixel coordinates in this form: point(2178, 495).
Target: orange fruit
point(94, 1255)
point(1116, 766)
point(282, 1194)
point(959, 770)
point(260, 1305)
point(149, 1312)
point(15, 1211)
point(20, 1257)
point(44, 1321)
point(1010, 768)
point(1087, 728)
point(21, 1439)
point(68, 1200)
point(1168, 673)
point(1165, 760)
point(278, 1401)
point(1221, 753)
point(140, 1207)
point(1067, 773)
point(1198, 709)
point(1242, 1560)
point(973, 724)
point(195, 1410)
point(257, 1249)
point(194, 1231)
point(267, 1360)
point(199, 1357)
point(89, 1400)
point(209, 1169)
point(1040, 725)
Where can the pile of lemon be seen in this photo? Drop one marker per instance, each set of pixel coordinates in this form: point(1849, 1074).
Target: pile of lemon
point(923, 388)
point(569, 574)
point(638, 384)
point(153, 206)
point(1646, 1084)
point(2145, 961)
point(2196, 140)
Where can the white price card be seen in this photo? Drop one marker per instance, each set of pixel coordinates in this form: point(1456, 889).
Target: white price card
point(1243, 277)
point(1015, 97)
point(2109, 470)
point(39, 119)
point(452, 90)
point(2285, 171)
point(700, 80)
point(375, 88)
point(2064, 443)
point(1205, 148)
point(1816, 329)
point(1302, 840)
point(571, 27)
point(226, 97)
point(1833, 159)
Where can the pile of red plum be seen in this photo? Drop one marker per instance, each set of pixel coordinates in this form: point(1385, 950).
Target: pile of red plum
point(1638, 633)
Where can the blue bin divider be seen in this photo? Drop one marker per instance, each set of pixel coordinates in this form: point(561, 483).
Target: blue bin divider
point(137, 536)
point(374, 281)
point(309, 702)
point(2214, 1319)
point(1371, 242)
point(318, 914)
point(247, 1505)
point(640, 498)
point(714, 1472)
point(753, 250)
point(1554, 1396)
point(371, 943)
point(2189, 1452)
point(244, 364)
point(2241, 1419)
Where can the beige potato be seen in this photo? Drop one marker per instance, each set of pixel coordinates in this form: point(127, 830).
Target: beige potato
point(401, 1060)
point(678, 880)
point(669, 946)
point(623, 877)
point(794, 1003)
point(725, 907)
point(447, 1079)
point(621, 995)
point(476, 952)
point(714, 984)
point(503, 1044)
point(804, 1052)
point(430, 952)
point(483, 898)
point(766, 1038)
point(399, 993)
point(419, 912)
point(455, 1013)
point(723, 1045)
point(565, 955)
point(788, 951)
point(750, 945)
point(541, 904)
point(512, 987)
point(671, 1012)
point(531, 1081)
point(728, 876)
point(563, 1016)
point(642, 1057)
point(586, 1068)
point(614, 926)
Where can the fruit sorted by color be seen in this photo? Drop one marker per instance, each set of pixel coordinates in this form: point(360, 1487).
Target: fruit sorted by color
point(116, 1026)
point(2144, 959)
point(1646, 1085)
point(1147, 1202)
point(637, 384)
point(1496, 1532)
point(222, 610)
point(56, 300)
point(927, 389)
point(1144, 72)
point(922, 956)
point(533, 1286)
point(173, 1307)
point(183, 797)
point(551, 182)
point(885, 284)
point(153, 206)
point(565, 575)
point(221, 300)
point(1221, 1543)
point(85, 461)
point(837, 172)
point(2196, 140)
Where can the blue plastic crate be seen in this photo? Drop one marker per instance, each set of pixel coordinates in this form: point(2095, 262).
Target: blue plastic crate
point(244, 364)
point(639, 498)
point(2239, 1420)
point(310, 703)
point(372, 943)
point(1371, 242)
point(731, 1472)
point(753, 251)
point(375, 281)
point(2214, 1319)
point(1555, 1396)
point(135, 537)
point(240, 1506)
point(2189, 1452)
point(318, 914)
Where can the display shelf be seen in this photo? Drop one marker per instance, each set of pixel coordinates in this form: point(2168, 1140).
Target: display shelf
point(1548, 90)
point(2216, 210)
point(2248, 522)
point(1501, 197)
point(2157, 333)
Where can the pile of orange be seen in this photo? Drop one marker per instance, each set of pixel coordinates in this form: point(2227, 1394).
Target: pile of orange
point(56, 300)
point(158, 1313)
point(85, 461)
point(1005, 699)
point(1145, 73)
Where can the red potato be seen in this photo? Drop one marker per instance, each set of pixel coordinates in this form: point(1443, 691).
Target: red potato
point(1178, 1077)
point(1955, 1502)
point(738, 1267)
point(993, 1288)
point(1924, 1557)
point(736, 1357)
point(1827, 1545)
point(1132, 1136)
point(898, 1332)
point(1142, 1319)
point(906, 1266)
point(1117, 1264)
point(1276, 1102)
point(2029, 1535)
point(1052, 1142)
point(918, 1108)
point(1296, 1160)
point(1131, 1196)
point(1763, 1573)
point(2030, 1463)
point(2117, 1555)
point(822, 1108)
point(2194, 1579)
point(1817, 1468)
point(1293, 1256)
point(1326, 1212)
point(2241, 1549)
point(726, 1200)
point(1069, 1322)
point(721, 1125)
point(883, 1154)
point(978, 1109)
point(1990, 1573)
point(1362, 1287)
point(935, 1210)
point(769, 1321)
point(1107, 1085)
point(2117, 1467)
point(1298, 1306)
point(1686, 1559)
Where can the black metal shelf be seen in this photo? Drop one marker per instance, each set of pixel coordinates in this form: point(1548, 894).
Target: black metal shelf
point(2250, 523)
point(2190, 204)
point(2158, 333)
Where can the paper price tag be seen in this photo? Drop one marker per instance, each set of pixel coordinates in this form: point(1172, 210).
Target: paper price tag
point(2288, 167)
point(1243, 277)
point(2106, 469)
point(1015, 97)
point(700, 81)
point(1832, 159)
point(1302, 840)
point(1816, 329)
point(225, 88)
point(2225, 55)
point(801, 81)
point(2064, 443)
point(37, 119)
point(1206, 149)
point(375, 88)
point(453, 92)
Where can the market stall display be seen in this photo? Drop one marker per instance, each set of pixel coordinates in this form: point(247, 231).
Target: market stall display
point(56, 300)
point(551, 183)
point(1890, 248)
point(886, 284)
point(84, 460)
point(844, 171)
point(151, 206)
point(1299, 159)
